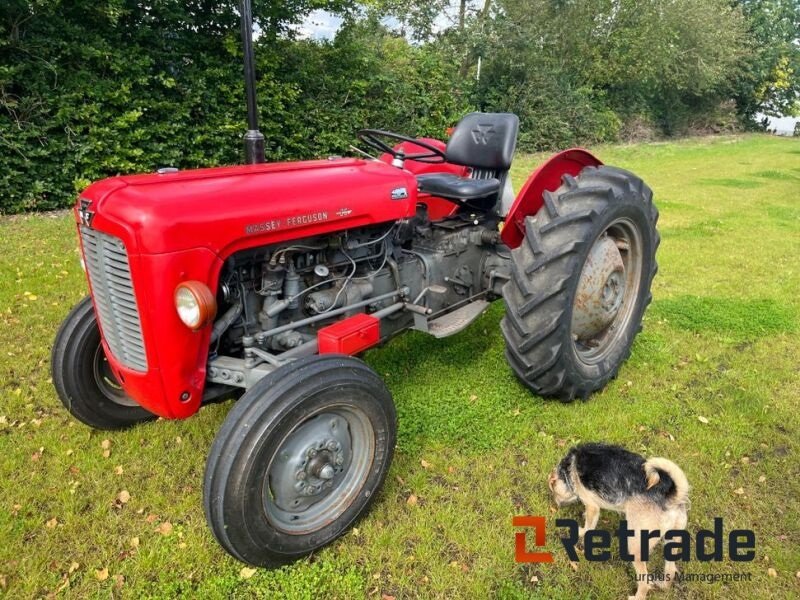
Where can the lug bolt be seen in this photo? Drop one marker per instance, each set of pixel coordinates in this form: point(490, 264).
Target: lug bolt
point(312, 452)
point(339, 460)
point(301, 475)
point(332, 445)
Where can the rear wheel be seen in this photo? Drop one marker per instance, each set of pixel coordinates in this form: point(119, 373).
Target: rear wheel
point(580, 283)
point(83, 378)
point(298, 459)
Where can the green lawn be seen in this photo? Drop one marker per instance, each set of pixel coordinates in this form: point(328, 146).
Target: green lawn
point(720, 343)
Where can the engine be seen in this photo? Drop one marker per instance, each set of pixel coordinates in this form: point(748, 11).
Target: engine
point(274, 300)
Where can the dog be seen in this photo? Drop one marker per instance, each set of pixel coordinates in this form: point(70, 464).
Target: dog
point(653, 494)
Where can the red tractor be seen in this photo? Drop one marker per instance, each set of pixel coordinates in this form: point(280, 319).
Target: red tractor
point(268, 279)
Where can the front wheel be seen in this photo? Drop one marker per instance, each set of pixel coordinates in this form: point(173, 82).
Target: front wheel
point(581, 282)
point(298, 459)
point(83, 378)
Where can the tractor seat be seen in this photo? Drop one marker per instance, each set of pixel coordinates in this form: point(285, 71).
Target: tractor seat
point(485, 143)
point(453, 187)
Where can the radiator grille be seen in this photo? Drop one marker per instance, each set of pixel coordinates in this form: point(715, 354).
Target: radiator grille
point(114, 299)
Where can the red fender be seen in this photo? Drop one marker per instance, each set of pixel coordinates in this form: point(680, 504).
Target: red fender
point(546, 178)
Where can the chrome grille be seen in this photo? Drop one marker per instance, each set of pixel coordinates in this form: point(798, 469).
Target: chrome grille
point(114, 299)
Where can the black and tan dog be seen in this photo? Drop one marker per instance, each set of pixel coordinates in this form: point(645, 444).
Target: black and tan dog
point(653, 494)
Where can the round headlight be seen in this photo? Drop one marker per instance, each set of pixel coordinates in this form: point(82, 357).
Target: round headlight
point(195, 304)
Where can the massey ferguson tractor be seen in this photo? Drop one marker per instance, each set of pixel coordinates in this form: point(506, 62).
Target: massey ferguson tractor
point(266, 281)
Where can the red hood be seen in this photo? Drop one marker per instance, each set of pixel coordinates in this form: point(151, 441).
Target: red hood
point(230, 208)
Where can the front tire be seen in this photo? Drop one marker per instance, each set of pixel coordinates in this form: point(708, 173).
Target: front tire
point(82, 376)
point(298, 459)
point(580, 283)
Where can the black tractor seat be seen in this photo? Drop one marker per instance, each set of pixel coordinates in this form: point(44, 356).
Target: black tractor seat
point(453, 187)
point(484, 142)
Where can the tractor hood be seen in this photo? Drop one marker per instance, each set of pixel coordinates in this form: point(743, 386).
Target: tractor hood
point(231, 208)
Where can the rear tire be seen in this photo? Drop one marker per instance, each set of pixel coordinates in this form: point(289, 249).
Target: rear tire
point(299, 458)
point(83, 379)
point(580, 283)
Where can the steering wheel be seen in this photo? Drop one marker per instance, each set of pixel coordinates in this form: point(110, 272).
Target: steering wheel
point(372, 138)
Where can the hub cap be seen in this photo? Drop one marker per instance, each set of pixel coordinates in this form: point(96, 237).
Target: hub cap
point(606, 295)
point(319, 469)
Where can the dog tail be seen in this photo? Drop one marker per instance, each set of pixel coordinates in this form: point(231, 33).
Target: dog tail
point(651, 468)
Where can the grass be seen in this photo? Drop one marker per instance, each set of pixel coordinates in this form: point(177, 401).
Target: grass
point(720, 342)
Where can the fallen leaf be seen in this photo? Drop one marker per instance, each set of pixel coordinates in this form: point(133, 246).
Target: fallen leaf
point(105, 444)
point(412, 500)
point(118, 470)
point(74, 567)
point(52, 523)
point(387, 597)
point(123, 497)
point(762, 479)
point(164, 528)
point(400, 480)
point(739, 491)
point(247, 572)
point(534, 579)
point(182, 545)
point(106, 453)
point(451, 469)
point(356, 532)
point(101, 574)
point(64, 584)
point(454, 564)
point(4, 582)
point(772, 572)
point(151, 518)
point(134, 542)
point(472, 398)
point(745, 460)
point(702, 420)
point(119, 580)
point(425, 464)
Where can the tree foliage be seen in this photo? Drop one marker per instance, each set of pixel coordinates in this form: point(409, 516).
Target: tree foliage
point(92, 88)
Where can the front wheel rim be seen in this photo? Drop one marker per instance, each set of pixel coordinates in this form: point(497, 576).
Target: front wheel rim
point(319, 469)
point(107, 382)
point(607, 294)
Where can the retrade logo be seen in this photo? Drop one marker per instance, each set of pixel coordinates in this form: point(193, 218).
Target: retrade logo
point(483, 133)
point(679, 544)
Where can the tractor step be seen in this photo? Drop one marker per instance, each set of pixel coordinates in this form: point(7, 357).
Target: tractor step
point(457, 320)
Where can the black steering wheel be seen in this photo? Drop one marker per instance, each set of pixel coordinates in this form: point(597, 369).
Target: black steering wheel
point(372, 138)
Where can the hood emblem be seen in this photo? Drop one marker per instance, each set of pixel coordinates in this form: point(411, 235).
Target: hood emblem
point(84, 214)
point(343, 212)
point(400, 193)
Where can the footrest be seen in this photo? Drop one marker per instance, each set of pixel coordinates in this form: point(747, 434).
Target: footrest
point(457, 320)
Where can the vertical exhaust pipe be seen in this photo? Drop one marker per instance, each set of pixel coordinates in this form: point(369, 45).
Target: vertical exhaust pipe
point(253, 139)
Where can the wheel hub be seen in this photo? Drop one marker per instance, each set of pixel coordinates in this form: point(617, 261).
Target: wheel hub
point(601, 290)
point(311, 463)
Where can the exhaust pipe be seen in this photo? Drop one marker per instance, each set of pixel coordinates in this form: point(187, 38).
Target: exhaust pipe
point(253, 139)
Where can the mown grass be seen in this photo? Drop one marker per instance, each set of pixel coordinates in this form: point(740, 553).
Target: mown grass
point(720, 342)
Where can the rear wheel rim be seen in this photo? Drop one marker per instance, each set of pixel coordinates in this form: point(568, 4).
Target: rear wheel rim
point(319, 469)
point(607, 295)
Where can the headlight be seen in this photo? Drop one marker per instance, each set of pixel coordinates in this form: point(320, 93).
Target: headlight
point(195, 304)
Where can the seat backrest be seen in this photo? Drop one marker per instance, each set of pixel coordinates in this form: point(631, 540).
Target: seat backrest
point(484, 141)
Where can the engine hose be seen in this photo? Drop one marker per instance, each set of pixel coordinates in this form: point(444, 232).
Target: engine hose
point(226, 320)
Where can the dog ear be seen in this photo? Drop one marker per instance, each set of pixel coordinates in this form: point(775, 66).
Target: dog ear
point(551, 481)
point(652, 476)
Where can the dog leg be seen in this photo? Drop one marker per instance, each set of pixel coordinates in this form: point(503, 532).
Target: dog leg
point(670, 568)
point(640, 566)
point(592, 516)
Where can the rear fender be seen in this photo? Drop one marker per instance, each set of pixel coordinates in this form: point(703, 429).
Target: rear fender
point(547, 177)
